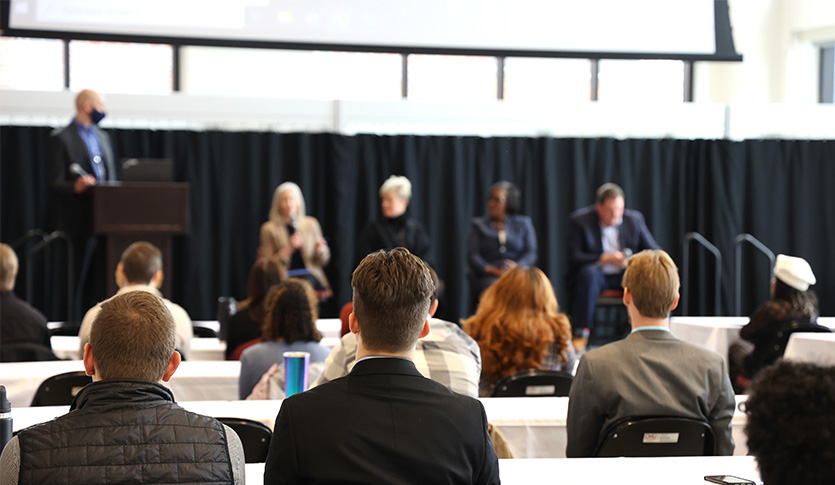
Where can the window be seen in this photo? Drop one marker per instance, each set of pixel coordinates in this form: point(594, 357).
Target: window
point(31, 64)
point(641, 81)
point(116, 67)
point(532, 79)
point(291, 74)
point(452, 78)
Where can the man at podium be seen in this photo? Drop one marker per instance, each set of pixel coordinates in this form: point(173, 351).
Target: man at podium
point(80, 156)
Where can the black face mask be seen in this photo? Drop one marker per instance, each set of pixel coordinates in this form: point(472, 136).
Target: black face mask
point(96, 116)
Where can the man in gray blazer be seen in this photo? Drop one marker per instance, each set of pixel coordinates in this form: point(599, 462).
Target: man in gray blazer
point(650, 373)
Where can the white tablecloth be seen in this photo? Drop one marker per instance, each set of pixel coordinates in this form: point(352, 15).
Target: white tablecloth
point(67, 347)
point(816, 348)
point(605, 471)
point(193, 381)
point(715, 333)
point(718, 333)
point(533, 426)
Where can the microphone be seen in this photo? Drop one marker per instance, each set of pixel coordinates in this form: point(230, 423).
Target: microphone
point(295, 222)
point(76, 169)
point(627, 252)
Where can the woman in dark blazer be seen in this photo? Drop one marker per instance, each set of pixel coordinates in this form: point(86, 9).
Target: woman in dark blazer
point(501, 240)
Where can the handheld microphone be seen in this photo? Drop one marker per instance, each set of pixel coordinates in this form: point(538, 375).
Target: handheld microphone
point(295, 222)
point(76, 169)
point(627, 252)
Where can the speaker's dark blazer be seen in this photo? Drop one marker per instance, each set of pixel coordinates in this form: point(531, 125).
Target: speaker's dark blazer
point(67, 210)
point(585, 244)
point(383, 423)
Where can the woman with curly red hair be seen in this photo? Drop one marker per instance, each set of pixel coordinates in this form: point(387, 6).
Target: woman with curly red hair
point(518, 327)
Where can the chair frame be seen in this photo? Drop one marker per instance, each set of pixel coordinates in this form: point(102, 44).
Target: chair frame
point(45, 396)
point(534, 383)
point(249, 430)
point(655, 432)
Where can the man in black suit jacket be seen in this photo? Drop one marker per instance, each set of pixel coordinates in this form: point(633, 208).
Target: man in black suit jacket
point(600, 239)
point(384, 422)
point(80, 156)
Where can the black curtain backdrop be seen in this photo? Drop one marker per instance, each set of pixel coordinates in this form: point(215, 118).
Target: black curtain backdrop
point(777, 190)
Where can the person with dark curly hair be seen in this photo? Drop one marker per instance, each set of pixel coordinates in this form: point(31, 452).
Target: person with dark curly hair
point(791, 301)
point(289, 326)
point(791, 423)
point(518, 327)
point(500, 240)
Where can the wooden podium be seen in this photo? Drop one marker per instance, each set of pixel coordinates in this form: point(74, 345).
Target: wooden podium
point(140, 211)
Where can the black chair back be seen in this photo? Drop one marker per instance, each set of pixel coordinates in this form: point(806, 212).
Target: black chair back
point(765, 355)
point(658, 436)
point(534, 383)
point(25, 352)
point(255, 436)
point(60, 390)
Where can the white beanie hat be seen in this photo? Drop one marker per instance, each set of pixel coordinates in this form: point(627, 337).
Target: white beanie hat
point(794, 272)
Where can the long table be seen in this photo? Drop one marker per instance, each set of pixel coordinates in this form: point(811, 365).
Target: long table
point(718, 333)
point(815, 348)
point(584, 471)
point(202, 349)
point(193, 381)
point(533, 426)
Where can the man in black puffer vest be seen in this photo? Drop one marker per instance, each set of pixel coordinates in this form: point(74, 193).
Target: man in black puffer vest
point(125, 427)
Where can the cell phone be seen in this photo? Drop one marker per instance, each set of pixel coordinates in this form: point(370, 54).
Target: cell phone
point(728, 480)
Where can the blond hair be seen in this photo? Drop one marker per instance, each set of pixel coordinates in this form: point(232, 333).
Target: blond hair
point(133, 337)
point(651, 277)
point(275, 209)
point(8, 267)
point(516, 322)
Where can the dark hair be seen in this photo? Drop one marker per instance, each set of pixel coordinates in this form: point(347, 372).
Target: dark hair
point(265, 274)
point(514, 196)
point(133, 337)
point(607, 191)
point(801, 302)
point(141, 261)
point(791, 418)
point(392, 294)
point(291, 313)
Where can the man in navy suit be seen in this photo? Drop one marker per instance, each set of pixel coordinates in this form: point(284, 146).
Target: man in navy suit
point(81, 156)
point(384, 422)
point(600, 239)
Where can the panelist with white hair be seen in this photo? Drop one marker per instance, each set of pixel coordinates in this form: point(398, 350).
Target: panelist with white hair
point(394, 228)
point(294, 240)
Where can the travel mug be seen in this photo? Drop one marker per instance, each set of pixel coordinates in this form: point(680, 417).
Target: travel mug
point(295, 372)
point(5, 419)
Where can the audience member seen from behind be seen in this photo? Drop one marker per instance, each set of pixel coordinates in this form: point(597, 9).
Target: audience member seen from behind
point(290, 326)
point(245, 325)
point(791, 419)
point(384, 422)
point(125, 427)
point(447, 355)
point(518, 327)
point(600, 239)
point(20, 324)
point(502, 239)
point(791, 301)
point(140, 269)
point(650, 372)
point(394, 228)
point(294, 239)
